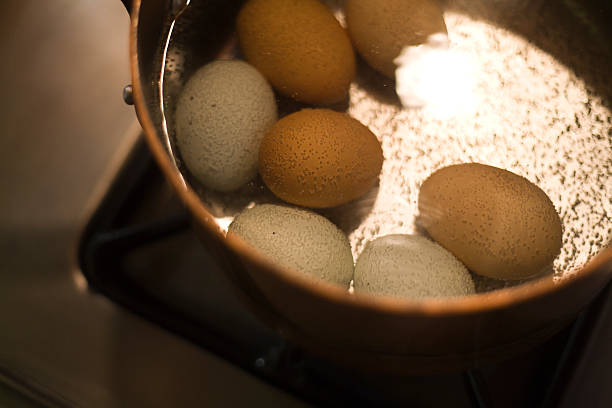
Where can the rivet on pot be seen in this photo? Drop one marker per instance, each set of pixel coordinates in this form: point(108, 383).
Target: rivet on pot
point(127, 95)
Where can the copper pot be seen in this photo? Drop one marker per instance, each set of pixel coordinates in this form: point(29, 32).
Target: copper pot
point(365, 331)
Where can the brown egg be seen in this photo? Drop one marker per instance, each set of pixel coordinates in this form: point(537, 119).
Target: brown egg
point(299, 47)
point(380, 29)
point(497, 223)
point(319, 158)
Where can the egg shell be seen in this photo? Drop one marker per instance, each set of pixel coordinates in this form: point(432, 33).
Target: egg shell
point(380, 29)
point(299, 47)
point(319, 158)
point(497, 223)
point(410, 266)
point(222, 114)
point(297, 239)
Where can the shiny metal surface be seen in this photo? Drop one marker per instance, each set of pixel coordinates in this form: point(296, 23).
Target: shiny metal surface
point(66, 132)
point(127, 95)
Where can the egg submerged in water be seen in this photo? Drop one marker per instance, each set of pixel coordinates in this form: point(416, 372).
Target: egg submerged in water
point(319, 158)
point(222, 114)
point(299, 47)
point(381, 29)
point(497, 223)
point(410, 266)
point(297, 239)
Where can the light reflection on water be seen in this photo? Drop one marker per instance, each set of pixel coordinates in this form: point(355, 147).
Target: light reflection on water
point(436, 77)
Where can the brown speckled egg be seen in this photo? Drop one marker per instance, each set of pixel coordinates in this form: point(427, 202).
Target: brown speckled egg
point(319, 158)
point(299, 46)
point(380, 29)
point(497, 223)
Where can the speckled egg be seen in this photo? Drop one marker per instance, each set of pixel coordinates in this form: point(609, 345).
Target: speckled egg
point(410, 266)
point(297, 239)
point(497, 223)
point(222, 114)
point(380, 29)
point(319, 158)
point(299, 47)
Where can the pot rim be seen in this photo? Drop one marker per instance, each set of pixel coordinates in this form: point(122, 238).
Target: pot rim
point(473, 304)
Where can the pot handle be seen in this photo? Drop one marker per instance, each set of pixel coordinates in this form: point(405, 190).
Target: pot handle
point(128, 5)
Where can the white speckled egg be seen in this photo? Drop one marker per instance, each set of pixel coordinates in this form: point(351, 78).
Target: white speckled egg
point(297, 239)
point(410, 266)
point(222, 114)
